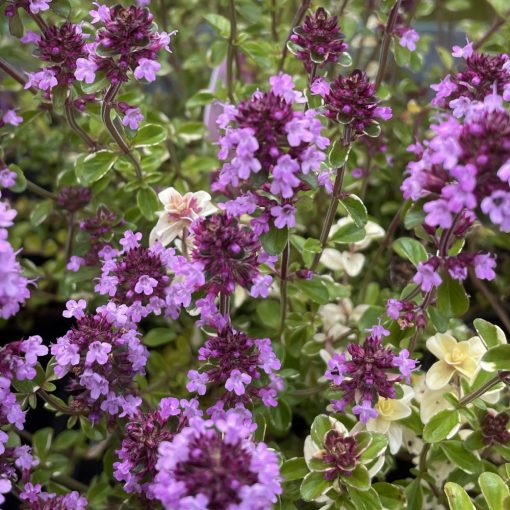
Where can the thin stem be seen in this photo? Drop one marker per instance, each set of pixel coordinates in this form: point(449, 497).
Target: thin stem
point(13, 73)
point(500, 377)
point(70, 483)
point(55, 403)
point(284, 271)
point(35, 188)
point(495, 303)
point(491, 31)
point(305, 5)
point(333, 204)
point(342, 8)
point(70, 236)
point(274, 29)
point(105, 113)
point(422, 466)
point(71, 120)
point(388, 33)
point(231, 50)
point(224, 304)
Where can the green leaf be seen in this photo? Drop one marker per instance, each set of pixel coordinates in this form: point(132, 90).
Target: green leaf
point(359, 478)
point(441, 426)
point(320, 426)
point(491, 334)
point(497, 358)
point(268, 311)
point(452, 300)
point(201, 98)
point(462, 457)
point(94, 166)
point(410, 249)
point(494, 490)
point(376, 448)
point(414, 493)
point(312, 245)
point(15, 26)
point(440, 322)
point(220, 23)
point(314, 289)
point(148, 202)
point(41, 211)
point(313, 486)
point(373, 129)
point(365, 499)
point(500, 6)
point(101, 82)
point(348, 233)
point(148, 135)
point(391, 496)
point(41, 442)
point(356, 209)
point(458, 498)
point(159, 336)
point(280, 417)
point(339, 154)
point(275, 240)
point(21, 182)
point(61, 7)
point(294, 469)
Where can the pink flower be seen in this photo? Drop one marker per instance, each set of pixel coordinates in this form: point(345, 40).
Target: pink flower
point(36, 6)
point(284, 216)
point(12, 118)
point(85, 70)
point(101, 14)
point(409, 39)
point(463, 52)
point(261, 286)
point(132, 118)
point(30, 37)
point(147, 69)
point(427, 277)
point(320, 87)
point(98, 352)
point(236, 382)
point(75, 309)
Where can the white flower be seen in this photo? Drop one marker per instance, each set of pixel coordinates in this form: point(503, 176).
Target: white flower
point(390, 411)
point(454, 357)
point(179, 212)
point(336, 318)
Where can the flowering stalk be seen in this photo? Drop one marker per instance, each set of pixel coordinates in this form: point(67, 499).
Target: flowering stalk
point(305, 5)
point(284, 270)
point(388, 32)
point(106, 115)
point(71, 121)
point(333, 204)
point(231, 50)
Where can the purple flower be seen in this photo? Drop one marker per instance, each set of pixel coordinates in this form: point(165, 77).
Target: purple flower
point(75, 263)
point(284, 178)
point(404, 363)
point(74, 198)
point(409, 39)
point(260, 287)
point(463, 52)
point(237, 381)
point(146, 285)
point(44, 80)
point(36, 6)
point(393, 308)
point(75, 309)
point(320, 87)
point(85, 70)
point(484, 266)
point(101, 14)
point(284, 216)
point(30, 37)
point(12, 118)
point(147, 69)
point(7, 178)
point(98, 352)
point(336, 368)
point(197, 382)
point(215, 464)
point(318, 40)
point(365, 411)
point(132, 118)
point(427, 277)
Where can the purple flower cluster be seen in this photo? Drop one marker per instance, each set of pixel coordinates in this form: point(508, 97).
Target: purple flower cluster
point(13, 285)
point(17, 361)
point(341, 453)
point(126, 40)
point(144, 433)
point(464, 167)
point(74, 198)
point(482, 73)
point(14, 458)
point(318, 40)
point(60, 46)
point(270, 147)
point(10, 117)
point(351, 100)
point(228, 252)
point(369, 371)
point(240, 364)
point(33, 496)
point(495, 428)
point(214, 464)
point(102, 353)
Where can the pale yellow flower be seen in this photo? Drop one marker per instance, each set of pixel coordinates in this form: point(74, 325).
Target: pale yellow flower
point(178, 213)
point(390, 411)
point(454, 357)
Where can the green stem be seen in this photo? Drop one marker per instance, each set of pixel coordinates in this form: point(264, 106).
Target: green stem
point(305, 5)
point(284, 271)
point(71, 121)
point(70, 236)
point(35, 188)
point(231, 50)
point(55, 403)
point(499, 377)
point(13, 73)
point(333, 204)
point(388, 33)
point(492, 30)
point(106, 116)
point(70, 483)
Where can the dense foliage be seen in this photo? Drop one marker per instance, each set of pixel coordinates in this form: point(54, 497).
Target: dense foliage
point(254, 254)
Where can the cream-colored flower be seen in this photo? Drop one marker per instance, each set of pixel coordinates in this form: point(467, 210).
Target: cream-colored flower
point(390, 411)
point(454, 357)
point(337, 317)
point(178, 213)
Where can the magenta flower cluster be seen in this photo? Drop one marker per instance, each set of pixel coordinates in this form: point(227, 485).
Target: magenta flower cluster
point(244, 367)
point(272, 148)
point(367, 372)
point(215, 464)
